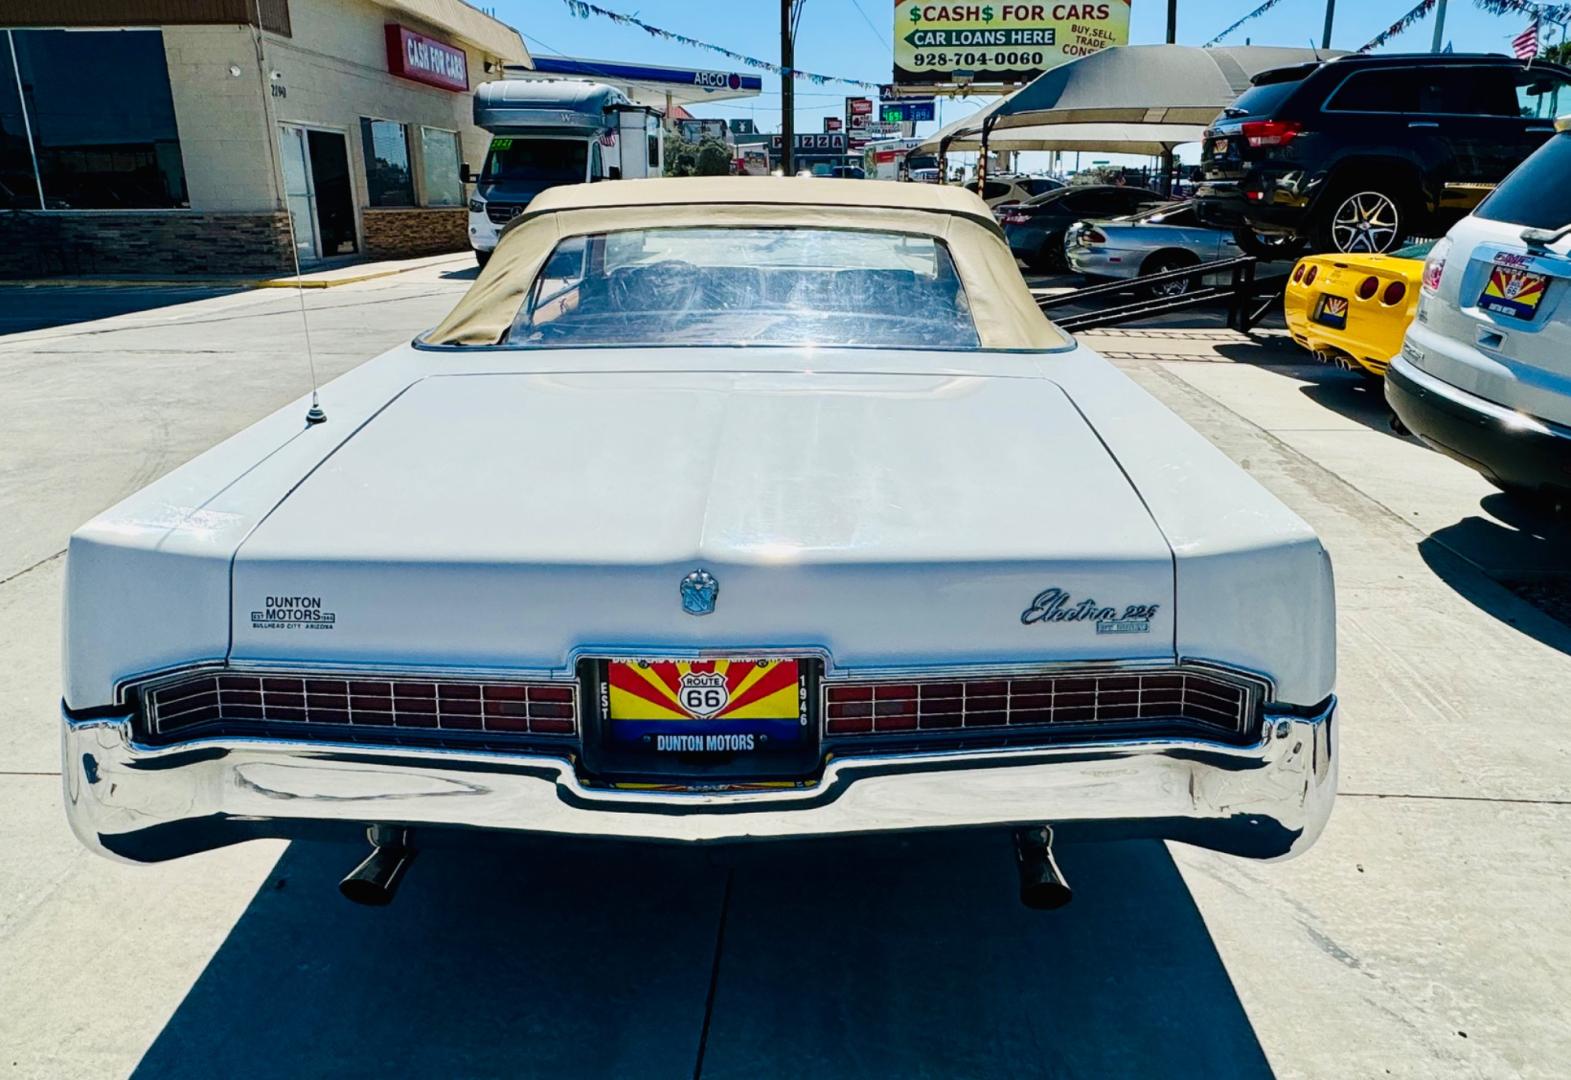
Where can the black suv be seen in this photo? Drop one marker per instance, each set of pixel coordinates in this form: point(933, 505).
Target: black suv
point(1360, 153)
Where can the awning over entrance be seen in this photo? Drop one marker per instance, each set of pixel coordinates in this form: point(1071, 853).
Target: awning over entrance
point(468, 23)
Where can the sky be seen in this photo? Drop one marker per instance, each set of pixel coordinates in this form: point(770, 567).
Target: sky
point(853, 39)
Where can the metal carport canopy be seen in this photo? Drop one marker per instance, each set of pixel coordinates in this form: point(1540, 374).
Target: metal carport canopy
point(1116, 138)
point(1158, 94)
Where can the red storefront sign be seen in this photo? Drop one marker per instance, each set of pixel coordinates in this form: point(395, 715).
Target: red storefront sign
point(423, 59)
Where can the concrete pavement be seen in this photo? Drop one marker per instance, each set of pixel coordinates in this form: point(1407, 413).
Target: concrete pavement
point(1426, 935)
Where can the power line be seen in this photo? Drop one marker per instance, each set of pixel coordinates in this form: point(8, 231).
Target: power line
point(882, 40)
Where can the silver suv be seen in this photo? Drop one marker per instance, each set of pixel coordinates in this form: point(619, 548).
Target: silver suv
point(1485, 372)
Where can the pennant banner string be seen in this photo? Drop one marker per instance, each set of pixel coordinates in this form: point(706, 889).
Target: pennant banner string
point(1400, 25)
point(1255, 14)
point(1555, 13)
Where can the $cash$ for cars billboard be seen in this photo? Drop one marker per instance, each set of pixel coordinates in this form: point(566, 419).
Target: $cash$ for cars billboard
point(999, 43)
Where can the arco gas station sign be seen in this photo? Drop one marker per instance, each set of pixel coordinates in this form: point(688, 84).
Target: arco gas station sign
point(988, 43)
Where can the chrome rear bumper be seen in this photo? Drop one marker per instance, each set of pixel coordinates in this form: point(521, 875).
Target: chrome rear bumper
point(145, 804)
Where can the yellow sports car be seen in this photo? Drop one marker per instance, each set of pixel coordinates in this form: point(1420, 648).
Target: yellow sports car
point(1353, 310)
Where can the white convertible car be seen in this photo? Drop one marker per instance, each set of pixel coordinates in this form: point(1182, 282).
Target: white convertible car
point(717, 510)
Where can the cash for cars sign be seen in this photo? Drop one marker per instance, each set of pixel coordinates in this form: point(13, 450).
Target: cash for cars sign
point(999, 43)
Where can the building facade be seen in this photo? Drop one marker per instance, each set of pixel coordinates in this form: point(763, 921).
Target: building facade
point(229, 136)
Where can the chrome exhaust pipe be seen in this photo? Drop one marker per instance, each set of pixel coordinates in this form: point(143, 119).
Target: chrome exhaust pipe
point(1042, 886)
point(377, 878)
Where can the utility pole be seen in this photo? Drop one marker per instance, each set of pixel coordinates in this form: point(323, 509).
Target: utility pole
point(1325, 38)
point(1440, 25)
point(787, 91)
point(1166, 186)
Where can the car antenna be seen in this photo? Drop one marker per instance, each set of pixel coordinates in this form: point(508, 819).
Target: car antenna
point(313, 415)
point(1314, 50)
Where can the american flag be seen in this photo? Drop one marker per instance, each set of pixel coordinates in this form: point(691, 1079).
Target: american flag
point(1525, 44)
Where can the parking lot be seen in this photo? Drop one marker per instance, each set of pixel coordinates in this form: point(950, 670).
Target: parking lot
point(1425, 935)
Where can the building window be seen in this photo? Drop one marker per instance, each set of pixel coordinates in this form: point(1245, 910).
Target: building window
point(18, 189)
point(94, 149)
point(388, 179)
point(439, 167)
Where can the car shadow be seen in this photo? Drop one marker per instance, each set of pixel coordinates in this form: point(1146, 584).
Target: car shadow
point(1524, 553)
point(468, 273)
point(866, 957)
point(1347, 393)
point(1350, 394)
point(24, 308)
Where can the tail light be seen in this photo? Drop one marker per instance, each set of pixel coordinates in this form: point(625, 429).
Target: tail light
point(1395, 293)
point(1258, 133)
point(1309, 276)
point(1033, 701)
point(1093, 236)
point(1435, 265)
point(1298, 273)
point(323, 702)
point(1368, 287)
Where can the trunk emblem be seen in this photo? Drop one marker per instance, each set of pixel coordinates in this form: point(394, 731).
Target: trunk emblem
point(699, 589)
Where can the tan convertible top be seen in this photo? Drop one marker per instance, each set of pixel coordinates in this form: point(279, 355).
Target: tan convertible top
point(1006, 314)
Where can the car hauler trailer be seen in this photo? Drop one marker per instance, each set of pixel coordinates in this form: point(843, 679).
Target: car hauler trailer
point(548, 133)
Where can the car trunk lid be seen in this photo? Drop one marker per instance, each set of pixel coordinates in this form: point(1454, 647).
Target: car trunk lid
point(514, 519)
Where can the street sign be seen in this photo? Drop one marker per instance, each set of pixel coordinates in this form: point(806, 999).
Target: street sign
point(833, 123)
point(938, 43)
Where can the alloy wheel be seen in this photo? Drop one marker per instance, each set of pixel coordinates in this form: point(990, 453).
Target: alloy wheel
point(1366, 222)
point(1169, 289)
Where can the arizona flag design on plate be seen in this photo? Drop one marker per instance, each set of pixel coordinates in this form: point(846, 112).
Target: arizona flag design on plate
point(707, 706)
point(1333, 312)
point(1513, 292)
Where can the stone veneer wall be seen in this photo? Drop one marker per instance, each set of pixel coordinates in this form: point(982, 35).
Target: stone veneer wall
point(396, 234)
point(34, 244)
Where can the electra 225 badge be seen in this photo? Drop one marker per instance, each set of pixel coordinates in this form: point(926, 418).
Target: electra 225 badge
point(1056, 606)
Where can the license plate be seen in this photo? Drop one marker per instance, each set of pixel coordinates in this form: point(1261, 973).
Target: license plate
point(1332, 312)
point(1219, 147)
point(736, 706)
point(1513, 292)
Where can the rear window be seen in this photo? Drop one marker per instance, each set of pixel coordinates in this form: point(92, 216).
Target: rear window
point(1536, 194)
point(1262, 100)
point(747, 286)
point(1445, 91)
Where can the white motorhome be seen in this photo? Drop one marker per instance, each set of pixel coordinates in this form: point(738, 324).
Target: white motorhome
point(543, 134)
